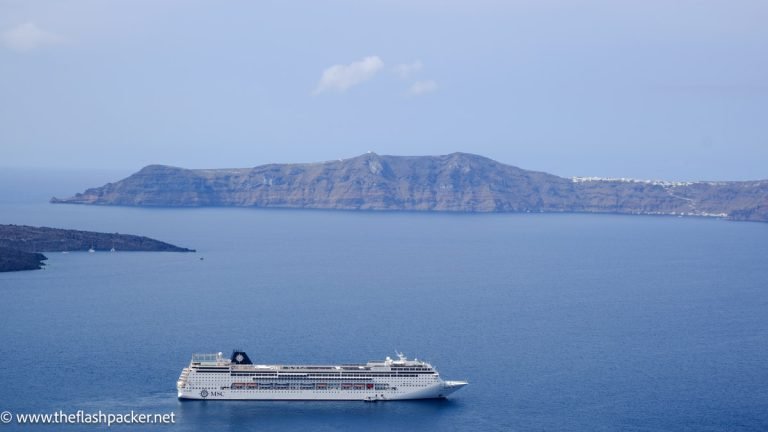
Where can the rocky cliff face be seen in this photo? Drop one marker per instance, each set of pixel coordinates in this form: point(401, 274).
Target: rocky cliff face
point(456, 182)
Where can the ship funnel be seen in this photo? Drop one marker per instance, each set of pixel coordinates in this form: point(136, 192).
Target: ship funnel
point(240, 357)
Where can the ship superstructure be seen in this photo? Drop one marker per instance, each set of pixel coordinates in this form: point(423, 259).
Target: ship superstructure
point(214, 376)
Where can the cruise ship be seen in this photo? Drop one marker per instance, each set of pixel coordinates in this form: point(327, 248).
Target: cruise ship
point(216, 377)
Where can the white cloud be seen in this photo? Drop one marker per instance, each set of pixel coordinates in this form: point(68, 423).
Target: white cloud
point(340, 77)
point(422, 87)
point(28, 36)
point(406, 70)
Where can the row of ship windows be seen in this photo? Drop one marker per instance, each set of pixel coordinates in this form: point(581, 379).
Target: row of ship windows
point(313, 376)
point(345, 368)
point(302, 380)
point(327, 373)
point(305, 380)
point(310, 378)
point(402, 375)
point(292, 391)
point(318, 386)
point(411, 369)
point(301, 376)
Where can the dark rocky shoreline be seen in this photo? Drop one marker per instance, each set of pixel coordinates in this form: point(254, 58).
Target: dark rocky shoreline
point(21, 245)
point(14, 260)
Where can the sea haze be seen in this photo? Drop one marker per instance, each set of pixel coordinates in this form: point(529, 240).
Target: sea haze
point(559, 321)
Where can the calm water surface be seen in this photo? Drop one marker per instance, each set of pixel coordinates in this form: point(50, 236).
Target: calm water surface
point(559, 322)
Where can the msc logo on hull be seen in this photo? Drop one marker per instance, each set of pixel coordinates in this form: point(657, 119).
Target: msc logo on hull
point(205, 393)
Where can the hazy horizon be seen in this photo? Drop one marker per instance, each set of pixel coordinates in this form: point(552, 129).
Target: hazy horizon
point(106, 175)
point(648, 90)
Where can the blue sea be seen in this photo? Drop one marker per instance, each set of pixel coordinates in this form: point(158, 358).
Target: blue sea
point(560, 322)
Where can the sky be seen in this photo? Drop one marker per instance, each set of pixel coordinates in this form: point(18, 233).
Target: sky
point(651, 89)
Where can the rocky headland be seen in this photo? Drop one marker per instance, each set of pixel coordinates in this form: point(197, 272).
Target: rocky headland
point(14, 260)
point(457, 182)
point(21, 245)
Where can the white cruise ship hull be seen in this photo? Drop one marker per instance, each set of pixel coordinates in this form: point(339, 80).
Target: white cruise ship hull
point(214, 377)
point(435, 391)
